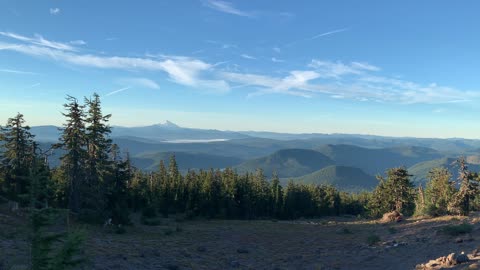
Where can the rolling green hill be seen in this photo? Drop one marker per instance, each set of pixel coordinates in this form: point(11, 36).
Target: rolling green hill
point(287, 163)
point(185, 160)
point(376, 161)
point(343, 177)
point(420, 170)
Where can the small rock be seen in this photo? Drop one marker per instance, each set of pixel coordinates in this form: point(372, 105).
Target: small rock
point(172, 267)
point(458, 240)
point(295, 258)
point(462, 258)
point(185, 254)
point(475, 252)
point(473, 266)
point(234, 264)
point(19, 267)
point(451, 259)
point(242, 250)
point(370, 258)
point(393, 216)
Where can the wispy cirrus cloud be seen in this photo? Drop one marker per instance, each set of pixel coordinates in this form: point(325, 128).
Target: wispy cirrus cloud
point(141, 82)
point(180, 69)
point(39, 40)
point(14, 71)
point(247, 56)
point(226, 7)
point(117, 91)
point(338, 69)
point(222, 45)
point(78, 42)
point(296, 83)
point(276, 60)
point(54, 11)
point(328, 33)
point(354, 80)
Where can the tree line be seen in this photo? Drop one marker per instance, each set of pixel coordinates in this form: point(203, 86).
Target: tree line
point(96, 182)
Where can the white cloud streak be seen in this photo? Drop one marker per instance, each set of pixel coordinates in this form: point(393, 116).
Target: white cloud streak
point(14, 71)
point(338, 69)
point(226, 7)
point(328, 33)
point(39, 40)
point(276, 60)
point(54, 11)
point(182, 70)
point(78, 42)
point(33, 85)
point(117, 91)
point(246, 56)
point(141, 82)
point(317, 36)
point(296, 83)
point(353, 80)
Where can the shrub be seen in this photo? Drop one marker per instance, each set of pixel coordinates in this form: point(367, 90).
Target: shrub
point(180, 218)
point(344, 231)
point(168, 231)
point(454, 230)
point(392, 230)
point(373, 239)
point(149, 212)
point(151, 221)
point(120, 229)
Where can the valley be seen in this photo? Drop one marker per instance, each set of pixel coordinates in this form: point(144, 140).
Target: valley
point(299, 157)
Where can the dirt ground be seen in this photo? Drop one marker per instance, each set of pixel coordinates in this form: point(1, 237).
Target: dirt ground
point(335, 243)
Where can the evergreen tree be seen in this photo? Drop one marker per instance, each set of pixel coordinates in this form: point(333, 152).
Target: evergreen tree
point(164, 190)
point(41, 190)
point(116, 188)
point(276, 195)
point(50, 249)
point(460, 203)
point(174, 185)
point(74, 141)
point(439, 192)
point(18, 154)
point(394, 193)
point(98, 165)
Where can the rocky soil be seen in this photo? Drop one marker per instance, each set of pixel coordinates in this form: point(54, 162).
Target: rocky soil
point(336, 243)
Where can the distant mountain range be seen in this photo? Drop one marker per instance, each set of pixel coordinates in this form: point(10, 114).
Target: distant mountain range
point(346, 160)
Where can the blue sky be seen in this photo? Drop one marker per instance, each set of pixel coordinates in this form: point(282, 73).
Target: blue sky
point(408, 68)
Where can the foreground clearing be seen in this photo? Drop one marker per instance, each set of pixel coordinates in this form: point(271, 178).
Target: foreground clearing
point(336, 243)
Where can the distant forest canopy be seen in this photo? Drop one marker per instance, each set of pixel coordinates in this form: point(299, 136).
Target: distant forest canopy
point(95, 181)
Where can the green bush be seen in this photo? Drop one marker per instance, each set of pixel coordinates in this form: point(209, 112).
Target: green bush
point(392, 230)
point(120, 229)
point(373, 239)
point(168, 231)
point(149, 212)
point(344, 231)
point(151, 221)
point(454, 230)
